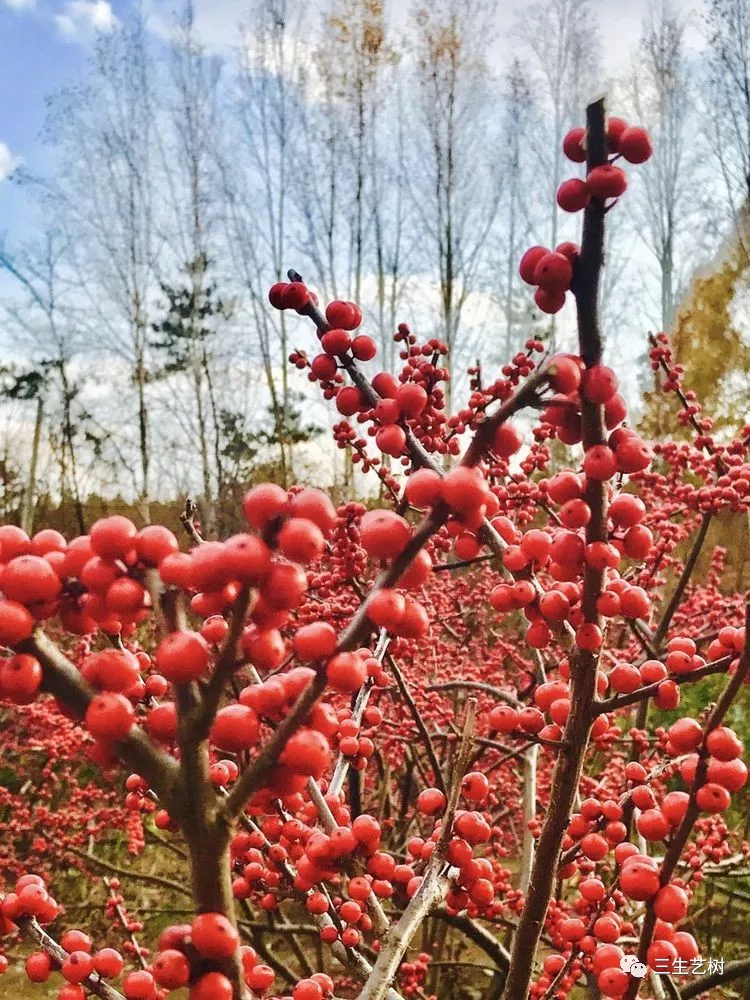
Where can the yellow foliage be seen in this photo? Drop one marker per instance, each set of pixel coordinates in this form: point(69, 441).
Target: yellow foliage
point(706, 340)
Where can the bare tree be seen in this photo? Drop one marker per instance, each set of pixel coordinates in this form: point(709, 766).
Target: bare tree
point(455, 184)
point(191, 178)
point(38, 314)
point(260, 186)
point(562, 40)
point(662, 93)
point(728, 30)
point(518, 114)
point(103, 131)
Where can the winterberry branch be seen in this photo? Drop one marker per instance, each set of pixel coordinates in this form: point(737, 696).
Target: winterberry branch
point(683, 831)
point(225, 666)
point(433, 882)
point(145, 877)
point(341, 767)
point(685, 576)
point(93, 983)
point(63, 680)
point(649, 690)
point(496, 692)
point(124, 923)
point(738, 969)
point(187, 519)
point(418, 721)
point(584, 663)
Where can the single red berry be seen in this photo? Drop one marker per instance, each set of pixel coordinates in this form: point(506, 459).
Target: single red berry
point(553, 272)
point(573, 145)
point(529, 261)
point(607, 181)
point(548, 300)
point(110, 716)
point(635, 144)
point(573, 195)
point(214, 936)
point(182, 657)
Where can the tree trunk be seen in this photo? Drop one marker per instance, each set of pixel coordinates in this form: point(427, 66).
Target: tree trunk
point(27, 510)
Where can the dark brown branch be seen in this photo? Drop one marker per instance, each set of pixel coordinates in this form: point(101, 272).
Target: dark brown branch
point(463, 563)
point(226, 664)
point(496, 692)
point(731, 971)
point(481, 937)
point(65, 682)
point(649, 690)
point(684, 580)
point(204, 824)
point(187, 519)
point(583, 663)
point(418, 721)
point(94, 983)
point(136, 876)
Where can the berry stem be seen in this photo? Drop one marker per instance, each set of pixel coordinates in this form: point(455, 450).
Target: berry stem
point(583, 662)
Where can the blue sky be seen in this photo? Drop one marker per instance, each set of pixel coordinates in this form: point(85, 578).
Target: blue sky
point(44, 45)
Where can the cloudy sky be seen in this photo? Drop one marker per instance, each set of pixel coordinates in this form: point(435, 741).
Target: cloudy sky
point(43, 45)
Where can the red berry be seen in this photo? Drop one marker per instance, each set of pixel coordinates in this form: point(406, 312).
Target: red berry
point(182, 657)
point(599, 384)
point(20, 678)
point(108, 963)
point(345, 315)
point(573, 195)
point(529, 261)
point(671, 903)
point(384, 533)
point(712, 798)
point(606, 181)
point(235, 728)
point(154, 542)
point(16, 622)
point(635, 144)
point(294, 295)
point(573, 145)
point(599, 463)
point(275, 294)
point(29, 580)
point(553, 272)
point(423, 487)
point(685, 735)
point(431, 801)
point(615, 128)
point(346, 672)
point(549, 301)
point(724, 744)
point(212, 986)
point(307, 752)
point(110, 716)
point(263, 503)
point(214, 936)
point(507, 440)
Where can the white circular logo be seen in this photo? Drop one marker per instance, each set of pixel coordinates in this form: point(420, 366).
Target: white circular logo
point(630, 964)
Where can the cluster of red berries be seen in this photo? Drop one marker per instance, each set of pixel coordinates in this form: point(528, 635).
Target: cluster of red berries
point(552, 271)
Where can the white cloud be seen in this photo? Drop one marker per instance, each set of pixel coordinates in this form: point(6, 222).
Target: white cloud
point(8, 162)
point(82, 18)
point(20, 4)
